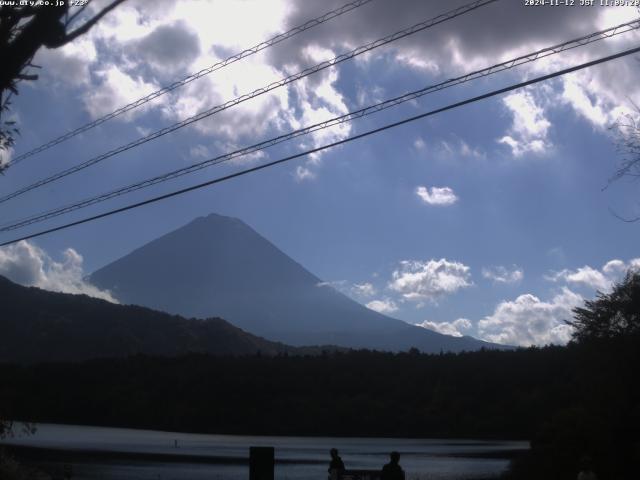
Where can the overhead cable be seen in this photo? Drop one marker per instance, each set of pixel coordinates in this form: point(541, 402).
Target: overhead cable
point(509, 64)
point(194, 76)
point(231, 103)
point(327, 146)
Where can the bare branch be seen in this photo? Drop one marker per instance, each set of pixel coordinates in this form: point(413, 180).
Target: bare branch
point(90, 23)
point(626, 220)
point(75, 15)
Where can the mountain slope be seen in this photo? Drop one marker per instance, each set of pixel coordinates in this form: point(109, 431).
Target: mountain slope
point(219, 266)
point(37, 325)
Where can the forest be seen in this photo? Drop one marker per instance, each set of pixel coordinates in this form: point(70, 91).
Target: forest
point(569, 401)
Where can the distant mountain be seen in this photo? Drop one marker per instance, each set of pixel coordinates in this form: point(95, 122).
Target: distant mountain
point(36, 325)
point(219, 266)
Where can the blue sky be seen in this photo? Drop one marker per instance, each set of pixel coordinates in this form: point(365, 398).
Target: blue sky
point(491, 220)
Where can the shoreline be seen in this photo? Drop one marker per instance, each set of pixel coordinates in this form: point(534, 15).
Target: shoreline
point(48, 454)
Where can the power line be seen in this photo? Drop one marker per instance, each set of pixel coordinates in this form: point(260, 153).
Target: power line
point(523, 59)
point(330, 145)
point(206, 71)
point(231, 103)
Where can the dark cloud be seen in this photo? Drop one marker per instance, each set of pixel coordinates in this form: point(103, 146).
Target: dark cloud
point(485, 32)
point(169, 47)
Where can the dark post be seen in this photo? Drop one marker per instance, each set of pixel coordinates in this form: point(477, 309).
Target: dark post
point(261, 463)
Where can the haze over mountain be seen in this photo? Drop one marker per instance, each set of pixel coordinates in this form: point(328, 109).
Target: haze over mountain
point(219, 266)
point(41, 326)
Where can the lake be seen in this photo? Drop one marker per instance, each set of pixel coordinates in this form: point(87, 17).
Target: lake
point(98, 453)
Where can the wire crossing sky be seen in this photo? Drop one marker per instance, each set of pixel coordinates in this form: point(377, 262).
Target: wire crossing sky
point(512, 63)
point(487, 219)
point(328, 146)
point(206, 71)
point(261, 91)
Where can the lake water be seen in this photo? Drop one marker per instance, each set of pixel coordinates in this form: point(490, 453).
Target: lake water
point(223, 457)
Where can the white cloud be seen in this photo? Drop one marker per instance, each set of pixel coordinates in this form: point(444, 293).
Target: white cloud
point(586, 105)
point(413, 60)
point(601, 280)
point(454, 328)
point(482, 38)
point(439, 196)
point(500, 274)
point(246, 159)
point(418, 281)
point(528, 131)
point(363, 289)
point(117, 88)
point(369, 95)
point(28, 265)
point(142, 45)
point(303, 173)
point(585, 276)
point(320, 100)
point(452, 150)
point(71, 64)
point(595, 98)
point(200, 152)
point(527, 320)
point(617, 267)
point(468, 151)
point(146, 39)
point(248, 119)
point(384, 306)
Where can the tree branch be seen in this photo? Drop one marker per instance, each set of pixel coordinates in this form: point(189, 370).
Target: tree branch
point(89, 24)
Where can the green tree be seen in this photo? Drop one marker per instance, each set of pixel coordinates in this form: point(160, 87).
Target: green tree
point(611, 315)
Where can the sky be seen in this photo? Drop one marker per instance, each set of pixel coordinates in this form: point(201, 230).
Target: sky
point(492, 220)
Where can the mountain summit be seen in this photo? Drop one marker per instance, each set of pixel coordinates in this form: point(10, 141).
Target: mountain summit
point(219, 266)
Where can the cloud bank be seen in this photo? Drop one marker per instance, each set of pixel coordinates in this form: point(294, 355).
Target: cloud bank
point(527, 320)
point(455, 328)
point(597, 279)
point(28, 265)
point(385, 306)
point(417, 281)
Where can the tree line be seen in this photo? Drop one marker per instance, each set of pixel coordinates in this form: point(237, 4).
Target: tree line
point(570, 401)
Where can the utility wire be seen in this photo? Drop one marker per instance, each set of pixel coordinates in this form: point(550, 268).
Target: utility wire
point(330, 145)
point(378, 107)
point(231, 103)
point(206, 71)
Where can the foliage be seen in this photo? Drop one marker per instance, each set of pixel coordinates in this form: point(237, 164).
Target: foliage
point(38, 325)
point(476, 394)
point(612, 315)
point(602, 422)
point(8, 131)
point(568, 400)
point(24, 29)
point(582, 399)
point(10, 469)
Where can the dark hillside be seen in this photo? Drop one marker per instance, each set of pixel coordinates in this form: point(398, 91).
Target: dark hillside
point(37, 325)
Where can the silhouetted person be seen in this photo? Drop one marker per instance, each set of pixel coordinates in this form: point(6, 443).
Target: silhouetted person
point(336, 466)
point(586, 470)
point(393, 470)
